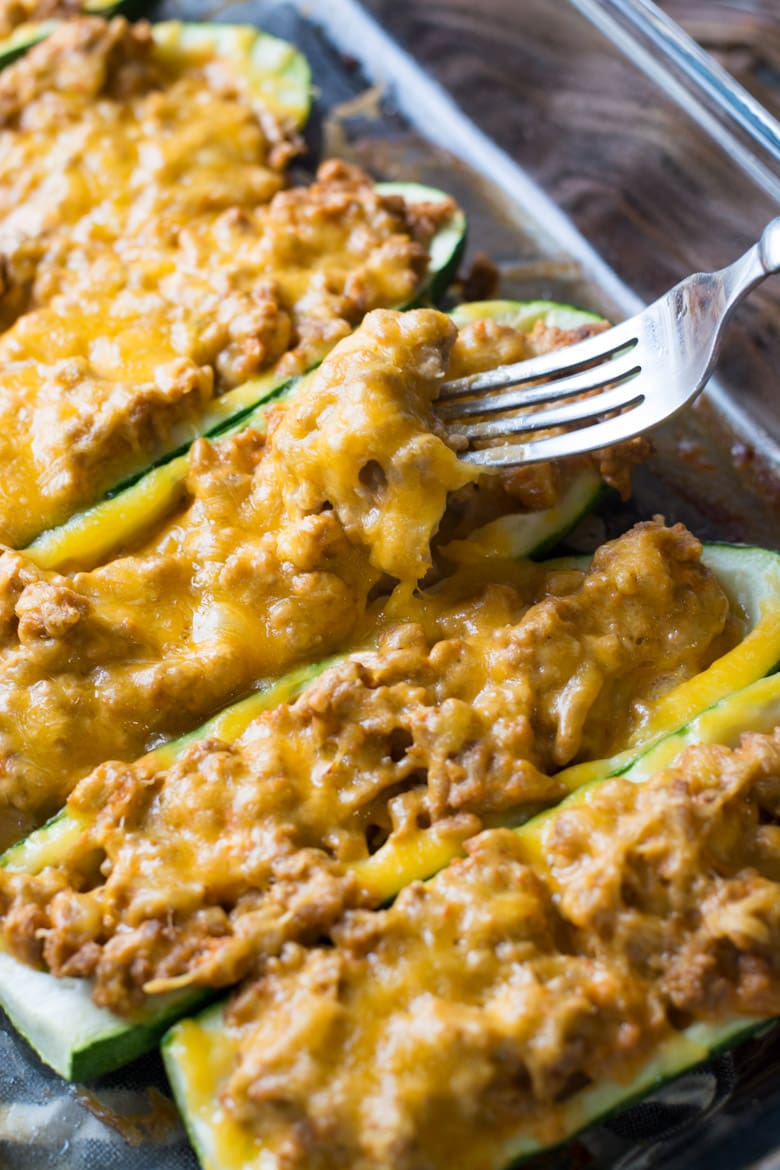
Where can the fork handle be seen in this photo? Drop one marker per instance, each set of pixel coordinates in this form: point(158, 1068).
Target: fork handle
point(758, 262)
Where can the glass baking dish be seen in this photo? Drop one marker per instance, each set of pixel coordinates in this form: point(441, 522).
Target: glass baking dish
point(585, 183)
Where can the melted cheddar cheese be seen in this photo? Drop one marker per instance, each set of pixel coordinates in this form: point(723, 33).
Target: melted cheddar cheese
point(153, 266)
point(193, 873)
point(259, 570)
point(469, 1021)
point(152, 263)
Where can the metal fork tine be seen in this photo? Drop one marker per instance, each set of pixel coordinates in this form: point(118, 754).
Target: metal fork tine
point(592, 438)
point(615, 370)
point(617, 398)
point(546, 365)
point(660, 361)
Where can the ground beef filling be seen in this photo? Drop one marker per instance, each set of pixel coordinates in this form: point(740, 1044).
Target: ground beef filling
point(177, 271)
point(272, 557)
point(193, 874)
point(654, 906)
point(98, 135)
point(142, 340)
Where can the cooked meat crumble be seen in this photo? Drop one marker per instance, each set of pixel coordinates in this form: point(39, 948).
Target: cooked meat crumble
point(272, 558)
point(151, 262)
point(479, 1004)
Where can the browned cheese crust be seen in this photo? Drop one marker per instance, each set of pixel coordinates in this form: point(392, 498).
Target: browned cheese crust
point(193, 874)
point(480, 1003)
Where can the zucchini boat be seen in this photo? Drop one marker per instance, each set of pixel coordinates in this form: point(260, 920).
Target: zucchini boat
point(750, 578)
point(92, 534)
point(57, 1017)
point(271, 78)
point(201, 1054)
point(84, 1040)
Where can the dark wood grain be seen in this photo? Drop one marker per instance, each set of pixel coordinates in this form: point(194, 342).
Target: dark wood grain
point(744, 37)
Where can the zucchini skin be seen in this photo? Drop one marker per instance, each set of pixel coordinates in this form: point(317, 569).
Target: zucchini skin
point(691, 1049)
point(111, 1052)
point(94, 1041)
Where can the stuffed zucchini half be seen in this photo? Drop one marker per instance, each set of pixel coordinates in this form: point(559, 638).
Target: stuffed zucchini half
point(83, 1040)
point(751, 579)
point(57, 1017)
point(96, 533)
point(600, 1019)
point(92, 534)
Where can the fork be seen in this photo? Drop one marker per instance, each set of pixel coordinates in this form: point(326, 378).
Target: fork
point(610, 387)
